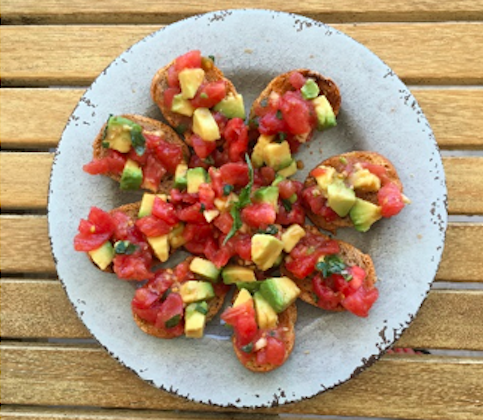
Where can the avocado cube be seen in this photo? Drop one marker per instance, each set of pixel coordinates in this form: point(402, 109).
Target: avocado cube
point(265, 250)
point(195, 291)
point(234, 274)
point(190, 80)
point(182, 106)
point(160, 245)
point(326, 178)
point(180, 180)
point(195, 177)
point(363, 214)
point(204, 125)
point(267, 318)
point(267, 195)
point(243, 296)
point(325, 113)
point(340, 198)
point(251, 286)
point(310, 90)
point(231, 106)
point(175, 237)
point(279, 292)
point(291, 237)
point(364, 180)
point(277, 155)
point(258, 150)
point(103, 255)
point(147, 203)
point(195, 319)
point(118, 133)
point(205, 269)
point(289, 170)
point(132, 176)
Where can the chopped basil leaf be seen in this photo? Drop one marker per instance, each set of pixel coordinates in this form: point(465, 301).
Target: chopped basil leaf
point(105, 144)
point(281, 137)
point(203, 95)
point(104, 134)
point(253, 122)
point(173, 322)
point(332, 264)
point(248, 348)
point(279, 115)
point(209, 160)
point(264, 103)
point(237, 223)
point(343, 160)
point(270, 230)
point(212, 58)
point(203, 208)
point(287, 205)
point(181, 128)
point(201, 309)
point(138, 141)
point(272, 333)
point(124, 247)
point(227, 189)
point(166, 294)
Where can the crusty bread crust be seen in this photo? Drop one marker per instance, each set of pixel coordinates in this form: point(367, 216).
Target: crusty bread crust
point(349, 254)
point(160, 83)
point(170, 136)
point(335, 162)
point(281, 84)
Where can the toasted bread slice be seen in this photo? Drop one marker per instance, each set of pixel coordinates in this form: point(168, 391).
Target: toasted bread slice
point(281, 84)
point(349, 254)
point(338, 163)
point(214, 306)
point(159, 85)
point(154, 126)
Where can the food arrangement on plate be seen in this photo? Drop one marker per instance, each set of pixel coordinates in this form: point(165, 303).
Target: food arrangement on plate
point(223, 193)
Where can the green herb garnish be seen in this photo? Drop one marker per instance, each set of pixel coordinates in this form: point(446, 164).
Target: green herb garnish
point(181, 128)
point(104, 134)
point(166, 294)
point(279, 115)
point(138, 141)
point(253, 123)
point(212, 58)
point(173, 322)
point(203, 208)
point(124, 247)
point(204, 95)
point(333, 264)
point(248, 348)
point(270, 230)
point(264, 103)
point(227, 189)
point(105, 144)
point(202, 309)
point(287, 205)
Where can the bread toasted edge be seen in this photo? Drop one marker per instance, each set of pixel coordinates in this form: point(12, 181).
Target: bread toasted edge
point(338, 165)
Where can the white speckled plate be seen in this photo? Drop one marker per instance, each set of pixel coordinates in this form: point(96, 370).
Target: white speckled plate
point(378, 113)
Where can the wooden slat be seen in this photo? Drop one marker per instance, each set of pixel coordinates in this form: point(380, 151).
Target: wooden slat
point(447, 53)
point(461, 258)
point(25, 178)
point(400, 386)
point(447, 320)
point(152, 11)
point(26, 121)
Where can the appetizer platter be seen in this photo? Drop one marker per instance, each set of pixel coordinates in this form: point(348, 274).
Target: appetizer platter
point(194, 239)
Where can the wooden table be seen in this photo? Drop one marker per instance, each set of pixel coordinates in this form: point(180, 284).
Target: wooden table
point(51, 368)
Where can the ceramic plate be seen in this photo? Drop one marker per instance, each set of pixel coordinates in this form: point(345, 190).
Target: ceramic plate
point(378, 113)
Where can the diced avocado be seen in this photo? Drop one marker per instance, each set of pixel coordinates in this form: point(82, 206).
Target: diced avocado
point(235, 274)
point(204, 125)
point(310, 90)
point(289, 170)
point(210, 215)
point(293, 198)
point(267, 195)
point(190, 80)
point(195, 291)
point(325, 113)
point(278, 179)
point(231, 106)
point(364, 180)
point(180, 180)
point(340, 198)
point(243, 296)
point(363, 214)
point(103, 255)
point(132, 176)
point(279, 292)
point(277, 155)
point(160, 245)
point(205, 269)
point(292, 236)
point(182, 106)
point(325, 179)
point(195, 177)
point(265, 250)
point(147, 203)
point(251, 286)
point(257, 154)
point(176, 238)
point(267, 318)
point(195, 319)
point(118, 133)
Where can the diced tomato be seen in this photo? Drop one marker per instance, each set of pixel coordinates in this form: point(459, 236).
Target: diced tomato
point(169, 94)
point(151, 226)
point(170, 155)
point(272, 123)
point(222, 121)
point(317, 172)
point(192, 214)
point(347, 287)
point(161, 282)
point(148, 314)
point(221, 157)
point(144, 298)
point(224, 222)
point(297, 80)
point(206, 195)
point(171, 308)
point(267, 174)
point(243, 246)
point(209, 94)
point(298, 114)
point(172, 76)
point(295, 215)
point(190, 60)
point(286, 189)
point(197, 162)
point(197, 232)
point(361, 301)
point(294, 144)
point(273, 353)
point(136, 158)
point(236, 135)
point(93, 232)
point(182, 271)
point(302, 267)
point(390, 199)
point(113, 163)
point(133, 267)
point(378, 170)
point(178, 197)
point(257, 215)
point(318, 204)
point(328, 299)
point(153, 172)
point(235, 174)
point(202, 148)
point(216, 181)
point(242, 318)
point(164, 211)
point(218, 256)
